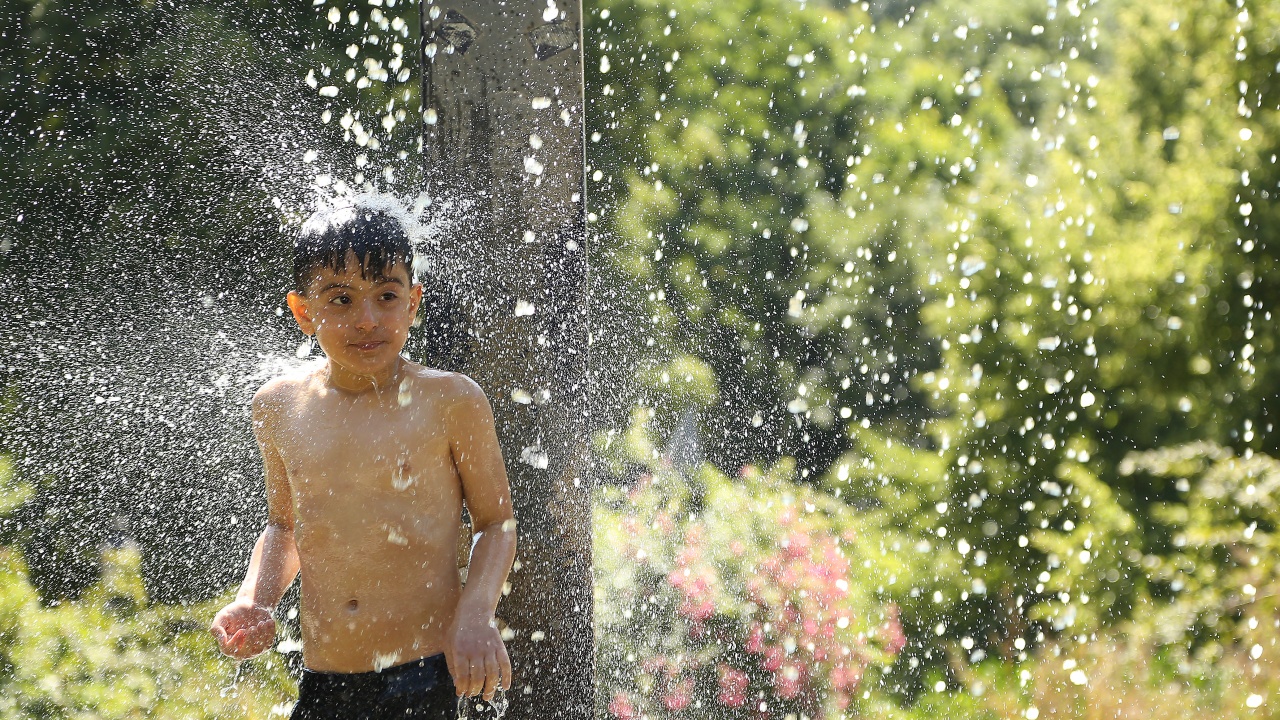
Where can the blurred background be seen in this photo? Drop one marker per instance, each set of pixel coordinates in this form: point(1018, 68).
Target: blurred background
point(930, 343)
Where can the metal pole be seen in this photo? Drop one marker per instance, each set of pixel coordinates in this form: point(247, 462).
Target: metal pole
point(502, 92)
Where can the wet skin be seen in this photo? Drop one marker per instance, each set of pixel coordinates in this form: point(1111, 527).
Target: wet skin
point(368, 459)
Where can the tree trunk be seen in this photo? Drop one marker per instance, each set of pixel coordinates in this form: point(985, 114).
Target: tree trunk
point(504, 163)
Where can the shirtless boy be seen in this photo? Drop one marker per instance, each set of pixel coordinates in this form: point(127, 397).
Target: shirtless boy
point(368, 460)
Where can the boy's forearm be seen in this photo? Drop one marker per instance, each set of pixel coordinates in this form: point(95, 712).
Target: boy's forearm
point(272, 567)
point(490, 563)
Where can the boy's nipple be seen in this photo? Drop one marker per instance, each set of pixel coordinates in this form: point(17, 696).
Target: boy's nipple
point(402, 478)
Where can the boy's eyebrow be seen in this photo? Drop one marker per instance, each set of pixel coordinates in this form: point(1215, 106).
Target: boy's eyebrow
point(344, 286)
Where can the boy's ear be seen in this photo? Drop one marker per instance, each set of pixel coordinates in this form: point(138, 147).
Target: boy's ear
point(298, 306)
point(415, 299)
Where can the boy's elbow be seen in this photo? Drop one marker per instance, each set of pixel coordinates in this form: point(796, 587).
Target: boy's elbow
point(279, 529)
point(505, 529)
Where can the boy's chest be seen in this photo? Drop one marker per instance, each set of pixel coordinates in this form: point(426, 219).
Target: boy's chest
point(337, 451)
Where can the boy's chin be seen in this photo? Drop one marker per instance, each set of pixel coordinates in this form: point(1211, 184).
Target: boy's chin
point(367, 361)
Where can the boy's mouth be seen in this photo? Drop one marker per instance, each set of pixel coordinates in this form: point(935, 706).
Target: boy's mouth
point(368, 345)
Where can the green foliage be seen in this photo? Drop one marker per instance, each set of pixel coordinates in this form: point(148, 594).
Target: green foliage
point(1216, 569)
point(958, 266)
point(112, 654)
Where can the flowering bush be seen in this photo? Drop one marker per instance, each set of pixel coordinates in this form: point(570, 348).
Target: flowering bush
point(732, 598)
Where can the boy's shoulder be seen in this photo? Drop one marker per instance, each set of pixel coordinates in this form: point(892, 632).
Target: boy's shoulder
point(445, 384)
point(281, 390)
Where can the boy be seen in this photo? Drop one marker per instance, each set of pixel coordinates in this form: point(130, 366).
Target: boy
point(368, 459)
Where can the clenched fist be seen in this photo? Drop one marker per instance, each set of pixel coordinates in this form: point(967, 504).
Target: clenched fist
point(243, 629)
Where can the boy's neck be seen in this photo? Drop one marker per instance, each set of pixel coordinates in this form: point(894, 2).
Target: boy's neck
point(356, 383)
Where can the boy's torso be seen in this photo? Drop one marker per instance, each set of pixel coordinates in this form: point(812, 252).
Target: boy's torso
point(377, 507)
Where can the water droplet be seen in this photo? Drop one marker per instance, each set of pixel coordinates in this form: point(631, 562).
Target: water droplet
point(382, 661)
point(971, 265)
point(534, 457)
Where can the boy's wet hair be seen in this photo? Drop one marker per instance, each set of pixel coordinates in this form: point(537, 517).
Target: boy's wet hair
point(378, 240)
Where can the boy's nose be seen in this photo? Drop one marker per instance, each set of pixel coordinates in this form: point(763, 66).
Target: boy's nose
point(366, 318)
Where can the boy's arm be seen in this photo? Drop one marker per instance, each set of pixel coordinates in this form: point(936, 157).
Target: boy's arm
point(245, 627)
point(477, 658)
point(274, 563)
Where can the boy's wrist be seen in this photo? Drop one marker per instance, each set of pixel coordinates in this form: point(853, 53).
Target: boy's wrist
point(470, 614)
point(249, 599)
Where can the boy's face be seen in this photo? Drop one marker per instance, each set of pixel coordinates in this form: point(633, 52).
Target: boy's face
point(361, 324)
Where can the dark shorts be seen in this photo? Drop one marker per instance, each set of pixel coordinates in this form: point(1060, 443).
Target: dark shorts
point(418, 689)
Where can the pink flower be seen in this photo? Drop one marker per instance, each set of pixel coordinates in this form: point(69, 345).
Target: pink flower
point(786, 516)
point(798, 544)
point(693, 536)
point(755, 638)
point(733, 686)
point(773, 658)
point(701, 586)
point(732, 699)
point(621, 707)
point(790, 615)
point(894, 638)
point(697, 611)
point(846, 677)
point(677, 697)
point(664, 523)
point(788, 680)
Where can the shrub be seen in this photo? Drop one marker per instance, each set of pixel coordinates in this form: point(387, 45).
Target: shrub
point(733, 598)
point(112, 654)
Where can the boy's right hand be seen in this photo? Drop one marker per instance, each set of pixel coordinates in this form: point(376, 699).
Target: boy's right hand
point(243, 629)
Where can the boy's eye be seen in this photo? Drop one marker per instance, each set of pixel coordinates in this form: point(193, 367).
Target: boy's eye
point(340, 300)
point(388, 296)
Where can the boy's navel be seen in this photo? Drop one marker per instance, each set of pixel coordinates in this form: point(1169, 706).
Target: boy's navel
point(353, 605)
